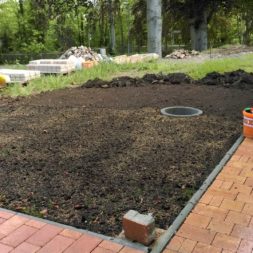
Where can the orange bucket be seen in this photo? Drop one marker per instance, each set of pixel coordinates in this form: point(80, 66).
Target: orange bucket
point(248, 123)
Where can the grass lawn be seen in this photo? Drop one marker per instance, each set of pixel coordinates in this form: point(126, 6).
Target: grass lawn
point(109, 70)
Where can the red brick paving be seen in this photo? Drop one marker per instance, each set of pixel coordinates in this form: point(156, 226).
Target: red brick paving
point(24, 234)
point(222, 221)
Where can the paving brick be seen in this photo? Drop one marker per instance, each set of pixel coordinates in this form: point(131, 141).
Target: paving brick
point(231, 170)
point(71, 234)
point(247, 141)
point(220, 226)
point(17, 220)
point(245, 198)
point(196, 234)
point(6, 215)
point(231, 178)
point(226, 242)
point(226, 185)
point(44, 235)
point(102, 250)
point(26, 248)
point(57, 245)
point(232, 205)
point(139, 227)
point(238, 218)
point(130, 250)
point(247, 172)
point(248, 209)
point(244, 151)
point(245, 247)
point(175, 243)
point(235, 158)
point(187, 246)
point(169, 251)
point(216, 201)
point(202, 247)
point(19, 235)
point(251, 223)
point(12, 224)
point(2, 236)
point(115, 247)
point(244, 158)
point(2, 220)
point(35, 223)
point(223, 193)
point(198, 220)
point(239, 165)
point(206, 198)
point(86, 243)
point(242, 232)
point(216, 184)
point(5, 248)
point(236, 188)
point(249, 182)
point(210, 211)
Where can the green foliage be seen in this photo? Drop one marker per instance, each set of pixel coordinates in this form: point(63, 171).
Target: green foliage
point(54, 25)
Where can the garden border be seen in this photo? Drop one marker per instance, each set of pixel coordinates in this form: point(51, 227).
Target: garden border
point(122, 242)
point(167, 236)
point(162, 242)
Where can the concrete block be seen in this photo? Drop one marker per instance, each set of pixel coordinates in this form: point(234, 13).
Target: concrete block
point(139, 227)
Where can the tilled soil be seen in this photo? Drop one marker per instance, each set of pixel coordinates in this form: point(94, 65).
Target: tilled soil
point(84, 157)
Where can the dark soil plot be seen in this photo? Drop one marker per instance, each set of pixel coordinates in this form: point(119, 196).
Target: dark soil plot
point(86, 156)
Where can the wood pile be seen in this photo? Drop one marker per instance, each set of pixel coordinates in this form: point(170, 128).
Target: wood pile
point(121, 59)
point(182, 54)
point(84, 52)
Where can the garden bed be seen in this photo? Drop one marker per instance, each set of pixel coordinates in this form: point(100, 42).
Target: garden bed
point(84, 157)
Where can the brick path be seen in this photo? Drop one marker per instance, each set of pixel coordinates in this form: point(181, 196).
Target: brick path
point(25, 234)
point(222, 221)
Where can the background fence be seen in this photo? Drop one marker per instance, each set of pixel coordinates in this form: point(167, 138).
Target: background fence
point(24, 58)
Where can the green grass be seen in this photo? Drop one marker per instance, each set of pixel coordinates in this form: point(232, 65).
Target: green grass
point(107, 71)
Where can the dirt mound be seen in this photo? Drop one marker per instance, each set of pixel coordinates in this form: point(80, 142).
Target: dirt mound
point(125, 81)
point(237, 79)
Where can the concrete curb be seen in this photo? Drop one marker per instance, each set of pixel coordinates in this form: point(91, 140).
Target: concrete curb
point(167, 236)
point(82, 231)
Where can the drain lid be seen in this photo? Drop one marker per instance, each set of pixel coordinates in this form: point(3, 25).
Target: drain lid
point(181, 111)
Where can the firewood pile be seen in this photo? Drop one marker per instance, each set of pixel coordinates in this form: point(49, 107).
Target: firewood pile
point(82, 52)
point(182, 54)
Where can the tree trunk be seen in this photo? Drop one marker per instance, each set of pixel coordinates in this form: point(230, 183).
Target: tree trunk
point(248, 29)
point(112, 27)
point(154, 23)
point(198, 30)
point(102, 25)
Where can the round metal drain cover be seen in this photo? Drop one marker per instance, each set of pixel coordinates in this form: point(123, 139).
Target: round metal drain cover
point(181, 111)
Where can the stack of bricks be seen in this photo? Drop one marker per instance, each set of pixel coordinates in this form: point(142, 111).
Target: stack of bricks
point(20, 76)
point(52, 66)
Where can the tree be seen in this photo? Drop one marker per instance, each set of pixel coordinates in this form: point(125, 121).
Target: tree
point(245, 9)
point(154, 24)
point(198, 14)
